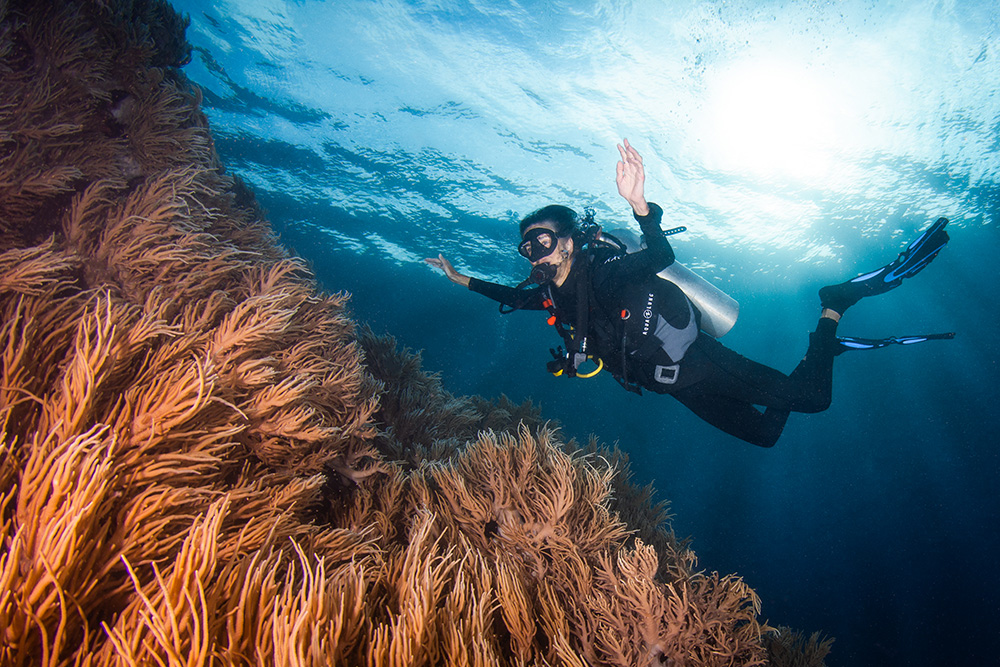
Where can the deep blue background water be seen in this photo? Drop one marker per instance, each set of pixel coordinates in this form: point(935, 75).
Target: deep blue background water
point(801, 142)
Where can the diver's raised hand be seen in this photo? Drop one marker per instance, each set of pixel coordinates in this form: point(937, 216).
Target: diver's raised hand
point(454, 276)
point(631, 178)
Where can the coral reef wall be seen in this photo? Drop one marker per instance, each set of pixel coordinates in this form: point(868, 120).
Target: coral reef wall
point(197, 463)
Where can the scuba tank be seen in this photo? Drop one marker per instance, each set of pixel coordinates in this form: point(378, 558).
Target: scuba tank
point(718, 310)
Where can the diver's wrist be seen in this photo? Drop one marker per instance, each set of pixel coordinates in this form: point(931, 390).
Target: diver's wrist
point(653, 213)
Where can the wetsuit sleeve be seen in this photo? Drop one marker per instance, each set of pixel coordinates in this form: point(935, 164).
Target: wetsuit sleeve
point(613, 273)
point(658, 252)
point(521, 299)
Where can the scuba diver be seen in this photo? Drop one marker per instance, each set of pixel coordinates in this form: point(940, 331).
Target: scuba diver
point(610, 306)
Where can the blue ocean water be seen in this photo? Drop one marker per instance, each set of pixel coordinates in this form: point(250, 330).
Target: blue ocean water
point(799, 142)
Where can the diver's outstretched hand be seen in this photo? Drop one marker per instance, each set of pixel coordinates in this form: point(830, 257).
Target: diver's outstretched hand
point(631, 178)
point(454, 276)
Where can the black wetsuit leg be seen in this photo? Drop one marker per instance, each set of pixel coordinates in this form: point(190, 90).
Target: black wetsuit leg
point(737, 418)
point(733, 385)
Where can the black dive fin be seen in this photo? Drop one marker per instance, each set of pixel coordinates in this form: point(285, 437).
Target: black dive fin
point(909, 263)
point(848, 343)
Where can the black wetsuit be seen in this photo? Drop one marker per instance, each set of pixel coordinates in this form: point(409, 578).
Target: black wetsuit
point(611, 291)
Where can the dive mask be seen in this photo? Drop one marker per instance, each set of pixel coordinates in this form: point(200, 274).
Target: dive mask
point(538, 243)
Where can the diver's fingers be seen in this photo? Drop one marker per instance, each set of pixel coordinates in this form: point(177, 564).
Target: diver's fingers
point(446, 266)
point(630, 171)
point(633, 153)
point(631, 159)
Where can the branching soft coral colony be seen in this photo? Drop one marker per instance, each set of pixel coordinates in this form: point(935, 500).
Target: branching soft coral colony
point(194, 465)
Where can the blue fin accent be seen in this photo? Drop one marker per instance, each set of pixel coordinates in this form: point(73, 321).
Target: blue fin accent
point(912, 260)
point(848, 343)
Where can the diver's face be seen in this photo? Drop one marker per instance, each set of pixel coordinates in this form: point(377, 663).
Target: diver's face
point(541, 245)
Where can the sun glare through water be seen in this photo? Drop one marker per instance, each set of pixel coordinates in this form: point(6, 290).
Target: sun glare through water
point(774, 119)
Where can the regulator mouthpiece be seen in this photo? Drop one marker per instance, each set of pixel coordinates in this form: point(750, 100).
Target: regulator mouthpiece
point(542, 273)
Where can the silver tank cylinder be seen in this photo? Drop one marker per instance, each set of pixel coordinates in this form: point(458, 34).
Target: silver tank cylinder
point(718, 310)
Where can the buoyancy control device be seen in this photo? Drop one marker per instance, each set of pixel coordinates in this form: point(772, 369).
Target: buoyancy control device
point(719, 311)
